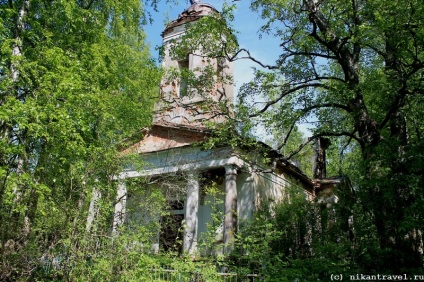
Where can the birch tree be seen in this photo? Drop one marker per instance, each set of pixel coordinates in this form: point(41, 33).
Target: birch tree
point(76, 79)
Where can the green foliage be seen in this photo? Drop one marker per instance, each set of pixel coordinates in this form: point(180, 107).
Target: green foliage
point(76, 78)
point(219, 42)
point(129, 255)
point(208, 240)
point(353, 69)
point(296, 239)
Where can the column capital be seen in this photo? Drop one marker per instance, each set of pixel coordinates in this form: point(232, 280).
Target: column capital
point(230, 170)
point(192, 176)
point(250, 178)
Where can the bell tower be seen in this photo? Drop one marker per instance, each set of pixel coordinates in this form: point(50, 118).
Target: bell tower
point(184, 98)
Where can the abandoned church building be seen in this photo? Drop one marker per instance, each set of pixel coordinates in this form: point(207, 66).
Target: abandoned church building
point(175, 162)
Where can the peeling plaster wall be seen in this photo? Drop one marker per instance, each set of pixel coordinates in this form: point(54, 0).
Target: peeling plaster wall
point(271, 188)
point(245, 196)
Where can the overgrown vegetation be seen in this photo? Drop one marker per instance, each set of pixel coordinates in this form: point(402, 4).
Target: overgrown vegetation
point(355, 69)
point(76, 79)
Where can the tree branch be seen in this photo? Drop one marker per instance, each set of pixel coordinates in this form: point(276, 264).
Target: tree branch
point(235, 58)
point(328, 105)
point(284, 94)
point(292, 53)
point(287, 136)
point(323, 134)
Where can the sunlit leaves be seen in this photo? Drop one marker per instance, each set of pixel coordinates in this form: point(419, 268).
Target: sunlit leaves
point(364, 60)
point(83, 81)
point(219, 42)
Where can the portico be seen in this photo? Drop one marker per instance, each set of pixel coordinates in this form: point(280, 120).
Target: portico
point(193, 162)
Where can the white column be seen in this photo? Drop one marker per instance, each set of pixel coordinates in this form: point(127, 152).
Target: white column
point(93, 210)
point(230, 221)
point(191, 215)
point(121, 200)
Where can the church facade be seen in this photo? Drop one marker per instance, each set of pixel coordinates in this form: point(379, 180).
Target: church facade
point(177, 164)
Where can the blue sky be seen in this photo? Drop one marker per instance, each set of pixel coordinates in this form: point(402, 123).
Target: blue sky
point(247, 24)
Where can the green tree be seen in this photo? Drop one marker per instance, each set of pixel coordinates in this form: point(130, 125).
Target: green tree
point(355, 67)
point(76, 79)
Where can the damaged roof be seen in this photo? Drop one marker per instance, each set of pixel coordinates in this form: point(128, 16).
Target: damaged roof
point(194, 12)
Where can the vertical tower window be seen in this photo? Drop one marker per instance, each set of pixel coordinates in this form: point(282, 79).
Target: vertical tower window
point(183, 66)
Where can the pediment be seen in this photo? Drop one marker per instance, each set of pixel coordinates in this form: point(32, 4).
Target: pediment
point(163, 137)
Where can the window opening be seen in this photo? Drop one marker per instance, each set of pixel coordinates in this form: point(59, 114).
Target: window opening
point(183, 66)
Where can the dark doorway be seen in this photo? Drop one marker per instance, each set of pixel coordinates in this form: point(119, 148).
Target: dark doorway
point(171, 234)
